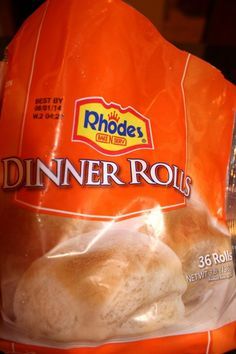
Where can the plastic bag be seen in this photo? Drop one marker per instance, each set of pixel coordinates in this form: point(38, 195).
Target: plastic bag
point(115, 148)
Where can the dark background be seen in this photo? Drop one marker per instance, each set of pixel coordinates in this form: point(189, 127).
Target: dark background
point(206, 28)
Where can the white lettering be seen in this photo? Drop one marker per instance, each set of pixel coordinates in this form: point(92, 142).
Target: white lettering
point(12, 167)
point(42, 169)
point(110, 170)
point(69, 168)
point(154, 174)
point(138, 169)
point(93, 173)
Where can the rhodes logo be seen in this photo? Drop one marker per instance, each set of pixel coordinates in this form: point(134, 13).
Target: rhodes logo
point(110, 128)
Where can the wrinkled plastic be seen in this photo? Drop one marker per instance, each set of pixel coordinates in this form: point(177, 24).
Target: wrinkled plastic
point(115, 148)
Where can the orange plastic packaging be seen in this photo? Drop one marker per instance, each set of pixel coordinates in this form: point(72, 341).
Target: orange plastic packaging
point(115, 151)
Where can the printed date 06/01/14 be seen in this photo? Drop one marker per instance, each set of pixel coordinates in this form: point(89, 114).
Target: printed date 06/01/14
point(214, 258)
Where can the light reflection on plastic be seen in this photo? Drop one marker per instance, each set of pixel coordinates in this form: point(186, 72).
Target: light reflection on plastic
point(87, 248)
point(155, 221)
point(148, 314)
